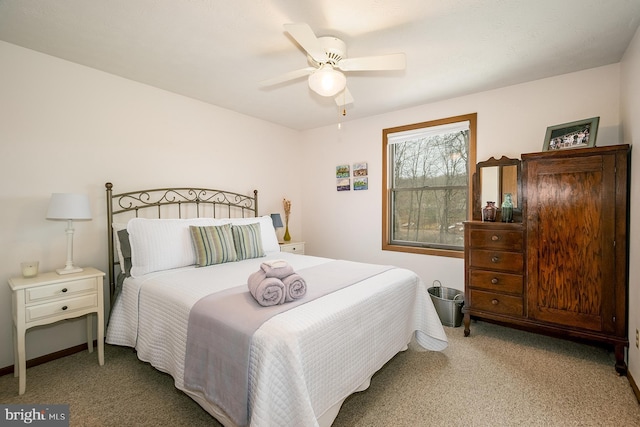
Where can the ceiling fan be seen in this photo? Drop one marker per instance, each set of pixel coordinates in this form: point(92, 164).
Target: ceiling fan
point(327, 57)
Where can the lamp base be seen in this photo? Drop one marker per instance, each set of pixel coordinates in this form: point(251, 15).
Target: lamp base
point(69, 270)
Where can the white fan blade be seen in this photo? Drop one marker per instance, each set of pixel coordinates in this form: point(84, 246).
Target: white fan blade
point(306, 38)
point(344, 98)
point(291, 75)
point(394, 61)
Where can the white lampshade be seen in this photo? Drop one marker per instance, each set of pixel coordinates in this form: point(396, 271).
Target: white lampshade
point(69, 206)
point(327, 81)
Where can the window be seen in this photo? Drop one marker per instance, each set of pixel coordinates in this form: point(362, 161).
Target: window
point(427, 170)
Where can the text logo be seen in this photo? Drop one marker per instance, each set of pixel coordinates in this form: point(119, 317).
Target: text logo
point(34, 415)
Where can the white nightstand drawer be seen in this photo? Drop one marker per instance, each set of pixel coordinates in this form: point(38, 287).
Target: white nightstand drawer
point(59, 290)
point(65, 306)
point(293, 247)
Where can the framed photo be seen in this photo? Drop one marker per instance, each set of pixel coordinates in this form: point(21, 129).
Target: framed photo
point(360, 169)
point(343, 184)
point(580, 134)
point(343, 171)
point(360, 183)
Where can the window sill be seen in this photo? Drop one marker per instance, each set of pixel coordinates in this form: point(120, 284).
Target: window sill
point(424, 251)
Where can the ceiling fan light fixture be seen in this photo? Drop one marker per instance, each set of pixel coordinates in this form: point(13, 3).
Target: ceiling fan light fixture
point(327, 81)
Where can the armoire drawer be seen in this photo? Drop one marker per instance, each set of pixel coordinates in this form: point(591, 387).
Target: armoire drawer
point(497, 303)
point(497, 260)
point(496, 281)
point(504, 240)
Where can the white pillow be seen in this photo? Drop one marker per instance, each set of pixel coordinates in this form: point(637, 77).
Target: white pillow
point(267, 232)
point(162, 244)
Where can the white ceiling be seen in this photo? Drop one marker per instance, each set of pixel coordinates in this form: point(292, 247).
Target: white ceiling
point(218, 51)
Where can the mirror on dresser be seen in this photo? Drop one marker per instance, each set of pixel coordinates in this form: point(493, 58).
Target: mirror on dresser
point(492, 180)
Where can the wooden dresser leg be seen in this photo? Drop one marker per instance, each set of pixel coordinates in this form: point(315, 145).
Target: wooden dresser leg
point(621, 367)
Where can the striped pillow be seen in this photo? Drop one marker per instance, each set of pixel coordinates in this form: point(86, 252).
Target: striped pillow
point(213, 244)
point(248, 241)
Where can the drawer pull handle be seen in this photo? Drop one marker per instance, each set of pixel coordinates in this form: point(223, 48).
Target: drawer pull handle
point(494, 280)
point(495, 259)
point(64, 307)
point(494, 238)
point(494, 301)
point(64, 290)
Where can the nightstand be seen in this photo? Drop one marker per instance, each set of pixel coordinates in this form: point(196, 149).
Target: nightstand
point(293, 247)
point(50, 297)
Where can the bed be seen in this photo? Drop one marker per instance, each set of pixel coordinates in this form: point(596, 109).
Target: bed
point(302, 362)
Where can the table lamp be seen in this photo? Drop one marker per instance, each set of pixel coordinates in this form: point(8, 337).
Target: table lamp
point(69, 206)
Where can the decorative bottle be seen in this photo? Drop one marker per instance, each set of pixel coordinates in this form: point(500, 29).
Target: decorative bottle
point(287, 211)
point(489, 212)
point(287, 236)
point(507, 208)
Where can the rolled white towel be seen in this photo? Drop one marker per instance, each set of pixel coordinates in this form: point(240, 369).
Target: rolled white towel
point(267, 291)
point(295, 287)
point(277, 268)
point(275, 263)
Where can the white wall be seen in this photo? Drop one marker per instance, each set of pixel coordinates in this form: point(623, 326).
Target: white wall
point(511, 121)
point(630, 97)
point(69, 128)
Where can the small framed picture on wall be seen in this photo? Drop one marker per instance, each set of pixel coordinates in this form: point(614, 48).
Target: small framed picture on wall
point(360, 169)
point(360, 183)
point(342, 171)
point(343, 184)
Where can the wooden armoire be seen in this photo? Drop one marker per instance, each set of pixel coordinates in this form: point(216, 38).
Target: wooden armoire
point(574, 248)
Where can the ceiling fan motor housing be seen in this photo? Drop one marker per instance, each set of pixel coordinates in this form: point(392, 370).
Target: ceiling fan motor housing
point(335, 49)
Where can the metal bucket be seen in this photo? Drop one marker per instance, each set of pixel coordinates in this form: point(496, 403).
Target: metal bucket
point(448, 303)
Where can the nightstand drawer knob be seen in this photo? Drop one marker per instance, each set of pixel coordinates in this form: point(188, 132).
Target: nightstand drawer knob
point(494, 238)
point(494, 280)
point(64, 290)
point(64, 307)
point(494, 301)
point(495, 259)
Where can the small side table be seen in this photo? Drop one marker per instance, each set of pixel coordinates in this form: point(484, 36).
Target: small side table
point(50, 297)
point(293, 247)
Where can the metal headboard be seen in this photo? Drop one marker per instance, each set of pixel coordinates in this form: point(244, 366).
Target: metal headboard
point(173, 203)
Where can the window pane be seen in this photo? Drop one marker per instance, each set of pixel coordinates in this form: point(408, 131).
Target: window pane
point(439, 160)
point(429, 217)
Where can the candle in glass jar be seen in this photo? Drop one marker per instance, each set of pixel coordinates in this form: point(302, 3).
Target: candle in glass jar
point(29, 269)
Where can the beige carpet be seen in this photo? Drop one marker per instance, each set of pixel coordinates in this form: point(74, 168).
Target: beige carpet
point(495, 377)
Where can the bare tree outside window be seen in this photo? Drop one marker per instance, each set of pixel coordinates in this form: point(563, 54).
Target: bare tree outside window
point(427, 185)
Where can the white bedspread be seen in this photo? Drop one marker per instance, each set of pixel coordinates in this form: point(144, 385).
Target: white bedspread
point(303, 361)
